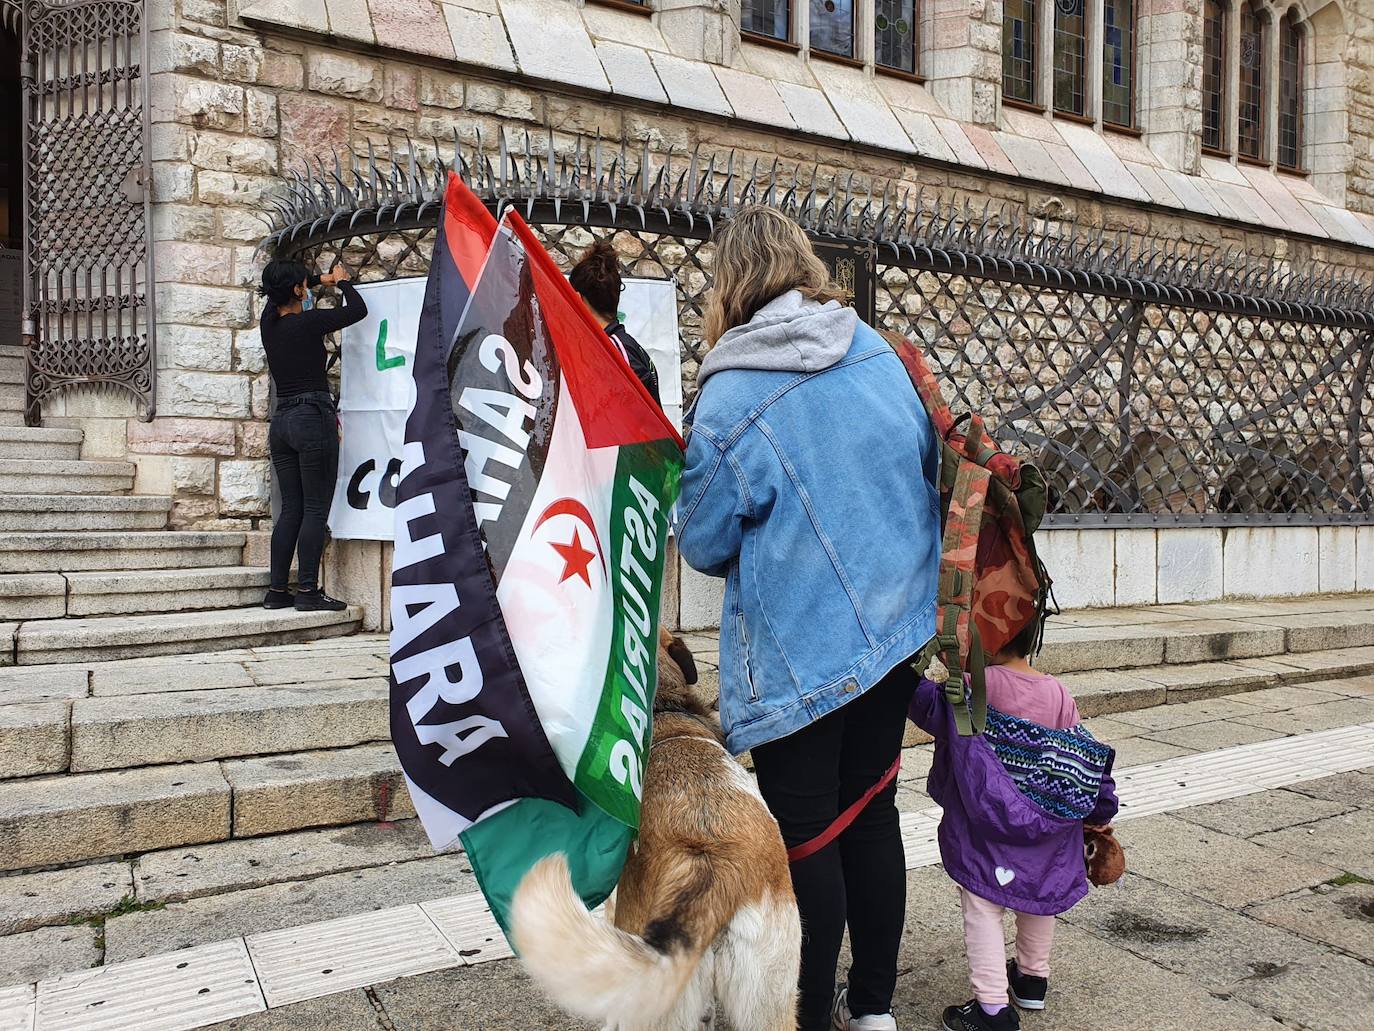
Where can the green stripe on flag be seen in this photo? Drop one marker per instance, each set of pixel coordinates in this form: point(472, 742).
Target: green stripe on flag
point(610, 770)
point(503, 848)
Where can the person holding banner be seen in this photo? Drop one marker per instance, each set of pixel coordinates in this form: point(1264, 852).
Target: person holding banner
point(597, 278)
point(810, 485)
point(304, 435)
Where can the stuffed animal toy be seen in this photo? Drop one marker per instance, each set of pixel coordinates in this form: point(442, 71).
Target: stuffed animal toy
point(1103, 854)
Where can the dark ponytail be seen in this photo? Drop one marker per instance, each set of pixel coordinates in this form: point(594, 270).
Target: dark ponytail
point(597, 278)
point(280, 279)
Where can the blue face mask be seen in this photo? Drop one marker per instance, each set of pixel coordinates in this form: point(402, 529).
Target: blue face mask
point(307, 302)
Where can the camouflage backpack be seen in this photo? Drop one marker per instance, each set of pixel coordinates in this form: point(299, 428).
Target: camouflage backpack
point(992, 584)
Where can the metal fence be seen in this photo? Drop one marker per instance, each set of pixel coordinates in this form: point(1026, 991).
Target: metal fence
point(1155, 384)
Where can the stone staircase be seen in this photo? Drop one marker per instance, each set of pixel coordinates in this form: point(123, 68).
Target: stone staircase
point(89, 571)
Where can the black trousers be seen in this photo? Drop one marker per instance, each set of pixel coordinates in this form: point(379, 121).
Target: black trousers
point(304, 441)
point(859, 879)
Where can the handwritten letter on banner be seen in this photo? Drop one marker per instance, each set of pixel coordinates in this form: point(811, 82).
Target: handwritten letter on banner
point(377, 385)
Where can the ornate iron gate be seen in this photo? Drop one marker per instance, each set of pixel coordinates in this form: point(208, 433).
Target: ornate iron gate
point(1156, 384)
point(88, 262)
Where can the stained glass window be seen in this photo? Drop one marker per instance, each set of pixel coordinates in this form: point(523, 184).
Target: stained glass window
point(1118, 62)
point(894, 34)
point(1069, 51)
point(832, 26)
point(1214, 75)
point(1018, 50)
point(766, 18)
point(1250, 115)
point(1290, 92)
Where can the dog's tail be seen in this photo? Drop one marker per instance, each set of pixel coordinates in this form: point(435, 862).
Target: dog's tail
point(597, 971)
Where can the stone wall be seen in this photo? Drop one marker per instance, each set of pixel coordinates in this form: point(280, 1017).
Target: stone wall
point(1359, 20)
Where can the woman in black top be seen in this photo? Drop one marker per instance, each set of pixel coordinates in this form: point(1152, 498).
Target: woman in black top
point(304, 436)
point(597, 278)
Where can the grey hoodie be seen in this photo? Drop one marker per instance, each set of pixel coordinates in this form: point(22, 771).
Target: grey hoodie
point(788, 334)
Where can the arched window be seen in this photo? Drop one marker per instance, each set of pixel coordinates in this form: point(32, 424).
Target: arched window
point(1118, 63)
point(1291, 73)
point(1214, 75)
point(1018, 51)
point(1251, 110)
point(1070, 46)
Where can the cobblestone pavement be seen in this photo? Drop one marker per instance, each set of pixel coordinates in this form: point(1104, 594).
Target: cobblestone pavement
point(1252, 912)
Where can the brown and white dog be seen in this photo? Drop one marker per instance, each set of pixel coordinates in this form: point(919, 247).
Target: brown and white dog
point(704, 911)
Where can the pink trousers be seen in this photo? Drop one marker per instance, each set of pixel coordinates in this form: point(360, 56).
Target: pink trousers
point(987, 951)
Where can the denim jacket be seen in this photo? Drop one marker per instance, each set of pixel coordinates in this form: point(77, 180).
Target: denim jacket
point(810, 486)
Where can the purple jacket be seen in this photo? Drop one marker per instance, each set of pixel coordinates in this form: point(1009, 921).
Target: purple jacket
point(994, 841)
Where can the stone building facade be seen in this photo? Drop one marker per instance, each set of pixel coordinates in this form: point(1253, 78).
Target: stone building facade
point(245, 91)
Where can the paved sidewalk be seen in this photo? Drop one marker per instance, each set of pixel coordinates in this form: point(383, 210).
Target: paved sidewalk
point(1251, 911)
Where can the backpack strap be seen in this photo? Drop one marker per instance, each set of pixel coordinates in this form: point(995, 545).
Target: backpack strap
point(958, 635)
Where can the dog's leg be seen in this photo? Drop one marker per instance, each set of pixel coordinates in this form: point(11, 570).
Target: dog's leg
point(696, 1006)
point(759, 965)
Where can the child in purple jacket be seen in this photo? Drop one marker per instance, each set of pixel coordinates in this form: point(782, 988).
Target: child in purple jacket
point(1016, 799)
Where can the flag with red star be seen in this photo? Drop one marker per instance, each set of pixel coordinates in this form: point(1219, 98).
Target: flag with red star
point(569, 469)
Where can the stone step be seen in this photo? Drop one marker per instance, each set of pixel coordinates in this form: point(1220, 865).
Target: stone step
point(45, 821)
point(11, 418)
point(125, 637)
point(33, 595)
point(196, 726)
point(37, 513)
point(38, 476)
point(49, 443)
point(102, 549)
point(130, 592)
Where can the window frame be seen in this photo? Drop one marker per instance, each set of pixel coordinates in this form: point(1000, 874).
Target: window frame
point(1222, 148)
point(1291, 22)
point(787, 42)
point(1265, 105)
point(1133, 98)
point(1034, 102)
point(852, 58)
point(1082, 37)
point(901, 73)
point(640, 7)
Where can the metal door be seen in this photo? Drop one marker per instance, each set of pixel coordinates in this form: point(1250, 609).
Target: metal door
point(88, 257)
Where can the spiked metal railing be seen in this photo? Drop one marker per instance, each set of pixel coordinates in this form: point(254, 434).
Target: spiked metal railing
point(1158, 383)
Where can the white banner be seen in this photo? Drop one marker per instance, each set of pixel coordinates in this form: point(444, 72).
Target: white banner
point(378, 356)
point(378, 382)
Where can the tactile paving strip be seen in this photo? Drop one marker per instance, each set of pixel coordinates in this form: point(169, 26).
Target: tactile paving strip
point(16, 1008)
point(172, 992)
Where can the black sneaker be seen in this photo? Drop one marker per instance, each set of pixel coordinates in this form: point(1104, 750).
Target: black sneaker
point(1026, 991)
point(970, 1017)
point(318, 601)
point(278, 599)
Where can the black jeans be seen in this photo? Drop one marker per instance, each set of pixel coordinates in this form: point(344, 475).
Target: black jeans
point(304, 440)
point(808, 779)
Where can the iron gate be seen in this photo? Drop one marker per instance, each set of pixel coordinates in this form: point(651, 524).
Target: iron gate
point(1156, 384)
point(88, 263)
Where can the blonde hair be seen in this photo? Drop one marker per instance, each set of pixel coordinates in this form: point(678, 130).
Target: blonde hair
point(761, 254)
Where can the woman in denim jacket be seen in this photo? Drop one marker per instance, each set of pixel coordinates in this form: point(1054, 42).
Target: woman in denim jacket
point(810, 486)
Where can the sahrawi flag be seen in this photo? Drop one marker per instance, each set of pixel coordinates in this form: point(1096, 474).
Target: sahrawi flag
point(531, 522)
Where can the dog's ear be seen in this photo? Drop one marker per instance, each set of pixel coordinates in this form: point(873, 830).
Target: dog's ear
point(679, 652)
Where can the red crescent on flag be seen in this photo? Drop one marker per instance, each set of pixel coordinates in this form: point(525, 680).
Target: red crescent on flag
point(574, 508)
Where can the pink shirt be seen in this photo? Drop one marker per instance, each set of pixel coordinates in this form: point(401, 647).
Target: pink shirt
point(1037, 697)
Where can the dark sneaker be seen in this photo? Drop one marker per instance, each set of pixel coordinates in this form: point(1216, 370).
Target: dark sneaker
point(1026, 991)
point(278, 600)
point(970, 1017)
point(318, 601)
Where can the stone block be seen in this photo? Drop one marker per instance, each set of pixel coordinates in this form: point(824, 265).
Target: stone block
point(1338, 916)
point(400, 85)
point(280, 70)
point(342, 74)
point(1071, 649)
point(501, 100)
point(235, 188)
point(171, 436)
point(252, 439)
point(1211, 640)
point(152, 474)
point(811, 110)
point(551, 42)
point(33, 738)
point(1190, 565)
point(1099, 693)
point(62, 896)
point(413, 27)
point(261, 115)
point(1137, 562)
point(154, 676)
point(207, 12)
point(1082, 565)
point(1336, 559)
point(700, 599)
point(206, 348)
point(1270, 561)
point(630, 72)
point(1201, 680)
point(478, 38)
point(47, 952)
point(170, 51)
point(193, 475)
point(183, 222)
point(261, 397)
point(200, 921)
point(172, 182)
point(246, 225)
point(241, 63)
point(209, 395)
point(1364, 558)
point(317, 789)
point(861, 107)
point(53, 820)
point(350, 19)
point(200, 103)
point(243, 488)
point(313, 125)
point(225, 153)
point(192, 305)
point(186, 873)
point(353, 570)
point(690, 84)
point(248, 352)
point(194, 726)
point(439, 89)
point(753, 98)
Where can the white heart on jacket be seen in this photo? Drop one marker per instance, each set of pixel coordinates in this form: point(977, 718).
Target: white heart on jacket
point(1004, 876)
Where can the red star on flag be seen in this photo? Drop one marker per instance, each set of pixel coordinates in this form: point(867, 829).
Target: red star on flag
point(576, 558)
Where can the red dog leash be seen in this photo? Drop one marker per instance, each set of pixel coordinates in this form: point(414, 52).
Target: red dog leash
point(842, 822)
